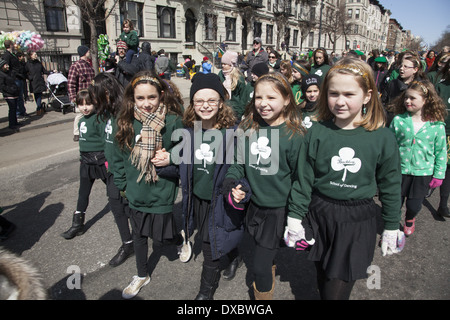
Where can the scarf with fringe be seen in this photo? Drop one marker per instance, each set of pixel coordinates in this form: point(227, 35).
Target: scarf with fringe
point(148, 142)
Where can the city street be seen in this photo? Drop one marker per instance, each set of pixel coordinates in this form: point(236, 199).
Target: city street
point(39, 171)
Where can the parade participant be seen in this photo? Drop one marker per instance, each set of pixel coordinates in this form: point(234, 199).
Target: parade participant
point(145, 124)
point(434, 74)
point(321, 64)
point(343, 158)
point(92, 160)
point(311, 91)
point(267, 162)
point(443, 90)
point(10, 91)
point(107, 94)
point(219, 218)
point(300, 69)
point(420, 131)
point(130, 37)
point(234, 83)
point(380, 72)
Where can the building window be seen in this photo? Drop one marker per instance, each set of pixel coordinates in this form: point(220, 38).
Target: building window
point(349, 13)
point(295, 40)
point(166, 22)
point(190, 26)
point(55, 15)
point(257, 29)
point(269, 34)
point(311, 40)
point(210, 27)
point(269, 5)
point(230, 26)
point(357, 14)
point(133, 11)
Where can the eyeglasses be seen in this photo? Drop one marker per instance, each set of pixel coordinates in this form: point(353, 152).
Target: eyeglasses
point(211, 103)
point(272, 57)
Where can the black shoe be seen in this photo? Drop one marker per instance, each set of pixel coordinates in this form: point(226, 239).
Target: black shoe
point(230, 272)
point(5, 232)
point(76, 137)
point(443, 212)
point(209, 283)
point(77, 228)
point(125, 251)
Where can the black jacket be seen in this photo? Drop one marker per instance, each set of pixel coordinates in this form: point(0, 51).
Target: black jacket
point(8, 85)
point(145, 59)
point(35, 71)
point(14, 65)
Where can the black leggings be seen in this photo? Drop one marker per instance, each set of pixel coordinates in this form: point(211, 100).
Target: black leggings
point(413, 207)
point(263, 261)
point(84, 191)
point(332, 289)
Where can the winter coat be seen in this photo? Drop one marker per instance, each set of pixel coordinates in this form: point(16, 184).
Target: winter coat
point(239, 96)
point(206, 66)
point(8, 85)
point(14, 65)
point(252, 59)
point(35, 71)
point(226, 224)
point(146, 61)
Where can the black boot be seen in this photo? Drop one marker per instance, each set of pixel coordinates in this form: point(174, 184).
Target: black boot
point(209, 283)
point(77, 228)
point(125, 251)
point(230, 272)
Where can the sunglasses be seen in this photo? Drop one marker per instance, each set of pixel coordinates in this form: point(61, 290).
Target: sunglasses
point(255, 42)
point(272, 57)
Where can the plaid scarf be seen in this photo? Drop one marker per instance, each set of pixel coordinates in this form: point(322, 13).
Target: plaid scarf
point(149, 142)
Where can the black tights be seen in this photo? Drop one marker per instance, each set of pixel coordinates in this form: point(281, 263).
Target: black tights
point(263, 261)
point(84, 191)
point(207, 255)
point(413, 207)
point(332, 289)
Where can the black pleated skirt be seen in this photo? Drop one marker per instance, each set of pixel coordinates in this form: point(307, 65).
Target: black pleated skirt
point(345, 234)
point(201, 216)
point(415, 187)
point(93, 171)
point(266, 225)
point(158, 227)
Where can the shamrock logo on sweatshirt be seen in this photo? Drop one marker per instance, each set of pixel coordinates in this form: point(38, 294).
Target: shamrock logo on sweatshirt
point(346, 161)
point(108, 129)
point(204, 153)
point(261, 148)
point(83, 128)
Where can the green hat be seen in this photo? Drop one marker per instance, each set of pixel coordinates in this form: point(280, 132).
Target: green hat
point(359, 53)
point(381, 59)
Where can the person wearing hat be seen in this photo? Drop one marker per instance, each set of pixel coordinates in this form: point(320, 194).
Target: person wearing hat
point(380, 72)
point(80, 76)
point(10, 91)
point(311, 90)
point(146, 61)
point(257, 55)
point(300, 69)
point(234, 82)
point(206, 65)
point(124, 71)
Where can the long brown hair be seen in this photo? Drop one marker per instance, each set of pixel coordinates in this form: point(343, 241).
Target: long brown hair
point(125, 132)
point(291, 113)
point(434, 108)
point(374, 116)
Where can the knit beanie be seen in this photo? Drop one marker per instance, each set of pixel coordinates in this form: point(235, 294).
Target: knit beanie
point(260, 69)
point(230, 57)
point(310, 80)
point(122, 45)
point(82, 50)
point(207, 81)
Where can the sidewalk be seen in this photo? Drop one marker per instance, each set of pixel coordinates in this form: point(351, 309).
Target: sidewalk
point(52, 117)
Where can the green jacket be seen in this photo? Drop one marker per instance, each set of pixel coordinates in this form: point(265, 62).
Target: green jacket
point(348, 165)
point(131, 38)
point(423, 153)
point(157, 197)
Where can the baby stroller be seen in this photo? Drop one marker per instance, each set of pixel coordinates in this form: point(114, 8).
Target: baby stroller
point(59, 97)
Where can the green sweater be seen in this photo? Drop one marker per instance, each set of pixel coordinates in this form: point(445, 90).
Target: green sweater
point(348, 165)
point(423, 153)
point(321, 70)
point(268, 165)
point(132, 40)
point(91, 133)
point(157, 197)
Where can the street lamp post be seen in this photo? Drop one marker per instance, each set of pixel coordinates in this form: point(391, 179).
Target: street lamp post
point(320, 22)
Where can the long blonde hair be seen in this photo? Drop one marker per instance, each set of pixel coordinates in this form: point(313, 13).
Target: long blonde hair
point(374, 116)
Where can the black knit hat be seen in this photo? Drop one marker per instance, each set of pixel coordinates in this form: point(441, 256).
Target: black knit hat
point(260, 69)
point(207, 81)
point(310, 80)
point(82, 50)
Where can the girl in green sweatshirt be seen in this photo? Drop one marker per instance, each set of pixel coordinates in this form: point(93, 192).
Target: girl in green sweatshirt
point(343, 159)
point(145, 124)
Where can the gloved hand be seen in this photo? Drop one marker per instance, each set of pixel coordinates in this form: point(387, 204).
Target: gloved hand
point(392, 241)
point(227, 189)
point(294, 235)
point(435, 183)
point(106, 165)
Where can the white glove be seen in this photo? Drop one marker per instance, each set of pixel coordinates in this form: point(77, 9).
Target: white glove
point(294, 235)
point(392, 241)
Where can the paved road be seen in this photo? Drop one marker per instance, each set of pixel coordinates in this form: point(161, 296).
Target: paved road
point(39, 175)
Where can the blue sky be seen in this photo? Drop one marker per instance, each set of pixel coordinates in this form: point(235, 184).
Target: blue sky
point(425, 18)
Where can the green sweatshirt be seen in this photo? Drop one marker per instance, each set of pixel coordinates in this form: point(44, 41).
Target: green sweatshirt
point(348, 165)
point(268, 164)
point(131, 38)
point(423, 153)
point(157, 197)
point(91, 133)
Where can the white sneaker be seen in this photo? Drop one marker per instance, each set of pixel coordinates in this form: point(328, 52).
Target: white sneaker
point(185, 250)
point(133, 288)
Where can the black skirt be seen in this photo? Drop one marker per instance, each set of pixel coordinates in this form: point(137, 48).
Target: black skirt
point(158, 227)
point(201, 214)
point(266, 225)
point(345, 234)
point(415, 187)
point(93, 171)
